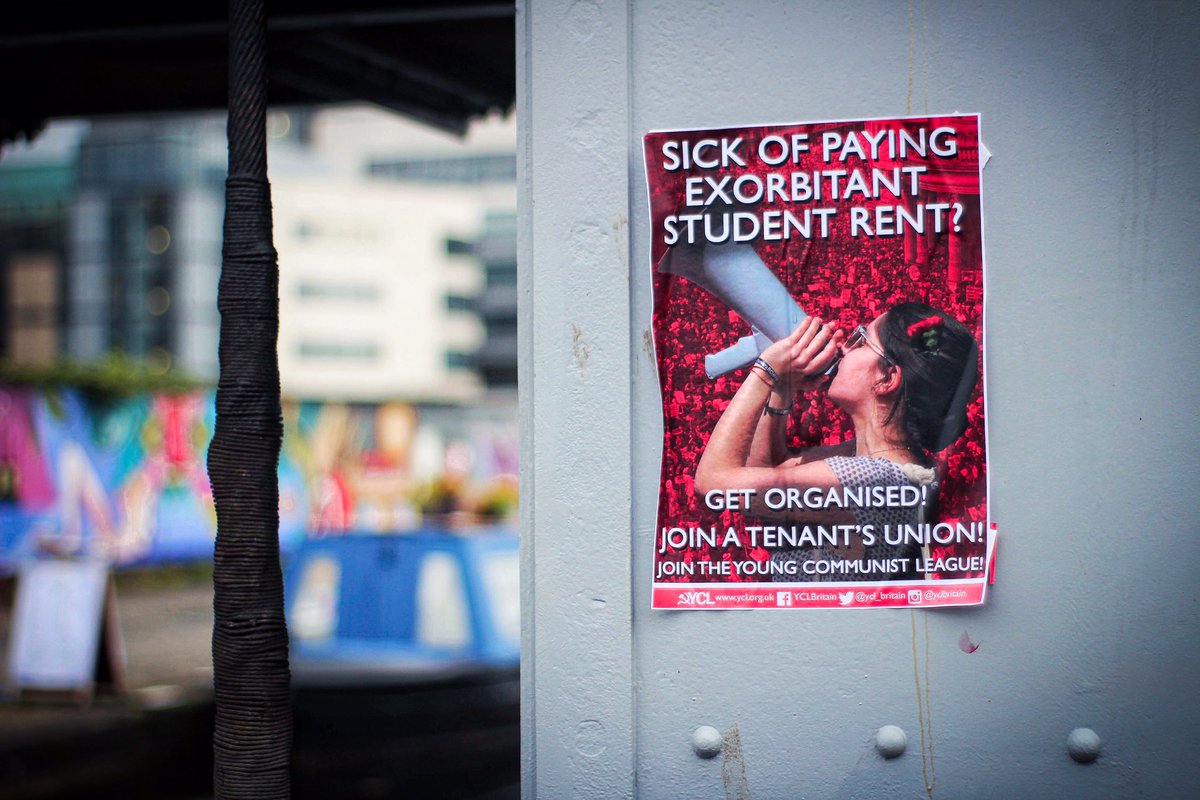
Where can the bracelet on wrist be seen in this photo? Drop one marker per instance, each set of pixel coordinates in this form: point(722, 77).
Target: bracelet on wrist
point(777, 412)
point(762, 377)
point(762, 364)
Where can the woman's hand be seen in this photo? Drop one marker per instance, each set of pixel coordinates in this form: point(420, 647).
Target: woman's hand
point(802, 357)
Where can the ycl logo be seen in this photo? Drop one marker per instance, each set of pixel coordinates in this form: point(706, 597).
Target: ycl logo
point(696, 599)
point(783, 598)
point(914, 596)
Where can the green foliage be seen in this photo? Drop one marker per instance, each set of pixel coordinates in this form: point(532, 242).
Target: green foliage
point(451, 494)
point(498, 500)
point(113, 378)
point(441, 495)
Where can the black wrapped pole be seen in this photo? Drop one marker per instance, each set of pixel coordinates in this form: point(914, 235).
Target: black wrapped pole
point(253, 735)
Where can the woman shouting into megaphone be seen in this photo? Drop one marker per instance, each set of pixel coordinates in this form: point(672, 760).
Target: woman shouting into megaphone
point(904, 381)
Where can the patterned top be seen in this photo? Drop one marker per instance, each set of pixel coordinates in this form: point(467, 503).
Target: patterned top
point(862, 472)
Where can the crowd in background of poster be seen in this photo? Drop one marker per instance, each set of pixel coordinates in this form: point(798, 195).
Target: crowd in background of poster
point(126, 481)
point(753, 228)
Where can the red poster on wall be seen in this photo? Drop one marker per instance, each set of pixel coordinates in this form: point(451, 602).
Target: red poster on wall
point(818, 324)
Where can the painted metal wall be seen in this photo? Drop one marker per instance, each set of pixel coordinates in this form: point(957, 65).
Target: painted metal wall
point(1090, 111)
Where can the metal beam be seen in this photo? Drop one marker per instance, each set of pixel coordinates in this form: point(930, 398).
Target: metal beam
point(279, 24)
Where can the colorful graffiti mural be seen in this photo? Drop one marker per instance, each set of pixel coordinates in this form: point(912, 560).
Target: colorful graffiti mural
point(126, 481)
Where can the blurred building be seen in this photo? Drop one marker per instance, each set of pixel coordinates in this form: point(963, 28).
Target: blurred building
point(394, 279)
point(144, 242)
point(496, 303)
point(37, 187)
point(384, 267)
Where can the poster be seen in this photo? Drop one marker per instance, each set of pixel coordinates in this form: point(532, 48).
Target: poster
point(808, 462)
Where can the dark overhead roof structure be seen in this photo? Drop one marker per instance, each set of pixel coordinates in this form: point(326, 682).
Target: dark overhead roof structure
point(440, 61)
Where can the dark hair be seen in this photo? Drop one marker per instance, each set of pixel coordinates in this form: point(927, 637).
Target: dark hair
point(938, 359)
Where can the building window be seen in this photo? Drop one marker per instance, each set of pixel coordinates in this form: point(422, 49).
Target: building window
point(470, 170)
point(501, 275)
point(459, 247)
point(349, 292)
point(31, 316)
point(359, 351)
point(455, 302)
point(456, 359)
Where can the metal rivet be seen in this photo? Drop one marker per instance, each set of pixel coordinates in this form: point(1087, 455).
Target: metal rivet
point(890, 741)
point(1084, 745)
point(590, 738)
point(706, 741)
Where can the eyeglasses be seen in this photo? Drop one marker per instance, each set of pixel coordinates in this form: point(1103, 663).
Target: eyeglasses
point(859, 337)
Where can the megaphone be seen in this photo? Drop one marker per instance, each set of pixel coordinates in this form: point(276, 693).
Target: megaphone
point(736, 275)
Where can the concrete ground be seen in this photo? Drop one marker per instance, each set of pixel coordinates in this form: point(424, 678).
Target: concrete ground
point(167, 633)
point(152, 741)
point(164, 622)
point(155, 734)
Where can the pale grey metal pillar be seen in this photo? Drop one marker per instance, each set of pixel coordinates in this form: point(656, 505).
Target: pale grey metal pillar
point(1089, 203)
point(575, 400)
